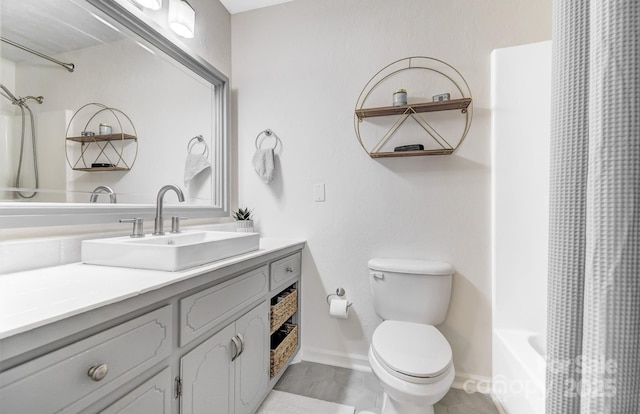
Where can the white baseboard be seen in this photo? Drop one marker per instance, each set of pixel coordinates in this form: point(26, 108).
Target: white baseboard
point(351, 361)
point(463, 380)
point(472, 383)
point(477, 383)
point(498, 404)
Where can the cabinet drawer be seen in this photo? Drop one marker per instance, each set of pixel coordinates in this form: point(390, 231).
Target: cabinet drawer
point(60, 381)
point(208, 308)
point(283, 270)
point(154, 396)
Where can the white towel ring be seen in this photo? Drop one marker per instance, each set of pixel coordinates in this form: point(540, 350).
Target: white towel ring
point(267, 133)
point(195, 140)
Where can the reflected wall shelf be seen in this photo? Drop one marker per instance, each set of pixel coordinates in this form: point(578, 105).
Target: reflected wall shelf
point(106, 150)
point(425, 65)
point(105, 137)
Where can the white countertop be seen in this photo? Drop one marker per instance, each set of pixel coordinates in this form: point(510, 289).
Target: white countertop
point(38, 297)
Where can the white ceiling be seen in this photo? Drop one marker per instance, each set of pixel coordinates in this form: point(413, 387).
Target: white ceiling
point(238, 6)
point(50, 27)
point(45, 25)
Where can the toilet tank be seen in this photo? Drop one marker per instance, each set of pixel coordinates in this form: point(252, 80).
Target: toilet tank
point(410, 290)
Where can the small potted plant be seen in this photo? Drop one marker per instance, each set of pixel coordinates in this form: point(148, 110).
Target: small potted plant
point(244, 222)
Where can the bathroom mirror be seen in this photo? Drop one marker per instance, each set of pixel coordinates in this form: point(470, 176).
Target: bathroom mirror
point(161, 93)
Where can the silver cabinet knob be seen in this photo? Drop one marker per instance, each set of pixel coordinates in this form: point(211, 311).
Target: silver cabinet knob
point(241, 339)
point(98, 372)
point(237, 346)
point(289, 269)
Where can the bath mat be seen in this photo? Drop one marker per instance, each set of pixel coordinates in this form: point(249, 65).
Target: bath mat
point(279, 402)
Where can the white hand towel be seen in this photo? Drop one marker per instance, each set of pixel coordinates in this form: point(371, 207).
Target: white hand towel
point(196, 163)
point(263, 164)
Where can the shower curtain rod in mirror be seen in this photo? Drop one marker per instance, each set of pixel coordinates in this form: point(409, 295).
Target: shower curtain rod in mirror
point(68, 66)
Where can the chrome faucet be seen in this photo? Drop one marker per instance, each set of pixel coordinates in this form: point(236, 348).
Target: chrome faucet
point(158, 228)
point(103, 189)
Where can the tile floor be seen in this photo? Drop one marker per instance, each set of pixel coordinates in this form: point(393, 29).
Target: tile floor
point(361, 390)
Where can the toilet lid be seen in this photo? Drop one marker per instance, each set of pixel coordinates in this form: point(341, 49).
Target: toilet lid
point(412, 349)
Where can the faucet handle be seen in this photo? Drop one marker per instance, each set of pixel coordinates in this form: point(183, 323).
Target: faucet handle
point(175, 224)
point(138, 226)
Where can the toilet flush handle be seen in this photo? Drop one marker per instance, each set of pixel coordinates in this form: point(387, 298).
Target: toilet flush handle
point(377, 275)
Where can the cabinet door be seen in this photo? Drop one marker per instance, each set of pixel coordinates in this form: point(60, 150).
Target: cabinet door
point(208, 376)
point(154, 396)
point(252, 367)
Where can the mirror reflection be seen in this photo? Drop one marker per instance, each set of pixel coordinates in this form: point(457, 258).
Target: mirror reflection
point(115, 123)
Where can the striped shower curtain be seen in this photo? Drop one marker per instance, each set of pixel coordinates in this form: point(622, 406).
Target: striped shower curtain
point(593, 333)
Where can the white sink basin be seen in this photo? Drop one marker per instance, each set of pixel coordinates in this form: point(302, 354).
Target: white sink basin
point(168, 252)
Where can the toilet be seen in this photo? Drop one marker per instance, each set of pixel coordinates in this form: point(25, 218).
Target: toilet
point(410, 357)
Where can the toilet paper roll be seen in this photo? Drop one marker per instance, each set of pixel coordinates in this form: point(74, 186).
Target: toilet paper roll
point(339, 308)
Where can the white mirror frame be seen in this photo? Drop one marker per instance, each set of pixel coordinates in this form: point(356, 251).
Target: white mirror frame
point(17, 214)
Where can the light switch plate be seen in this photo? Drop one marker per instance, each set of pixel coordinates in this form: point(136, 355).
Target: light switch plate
point(318, 192)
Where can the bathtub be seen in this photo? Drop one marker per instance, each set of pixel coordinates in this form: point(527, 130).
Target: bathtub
point(518, 380)
point(520, 222)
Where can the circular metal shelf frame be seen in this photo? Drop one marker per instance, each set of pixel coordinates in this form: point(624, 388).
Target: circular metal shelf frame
point(423, 63)
point(105, 139)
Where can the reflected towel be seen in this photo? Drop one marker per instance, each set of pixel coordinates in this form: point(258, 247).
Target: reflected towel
point(263, 164)
point(196, 163)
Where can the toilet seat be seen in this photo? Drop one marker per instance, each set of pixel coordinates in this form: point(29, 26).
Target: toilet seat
point(411, 351)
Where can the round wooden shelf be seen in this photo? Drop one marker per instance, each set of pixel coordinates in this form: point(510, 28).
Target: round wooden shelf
point(463, 102)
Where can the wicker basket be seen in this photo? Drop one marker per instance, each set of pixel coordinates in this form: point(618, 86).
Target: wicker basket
point(283, 310)
point(283, 352)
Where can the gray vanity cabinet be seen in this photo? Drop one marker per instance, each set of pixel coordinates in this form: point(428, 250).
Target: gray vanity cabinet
point(153, 396)
point(200, 345)
point(229, 372)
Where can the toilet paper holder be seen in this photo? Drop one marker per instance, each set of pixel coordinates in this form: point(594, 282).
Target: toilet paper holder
point(340, 292)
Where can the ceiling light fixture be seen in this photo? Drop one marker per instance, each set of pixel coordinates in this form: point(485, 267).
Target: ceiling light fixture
point(182, 18)
point(149, 4)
